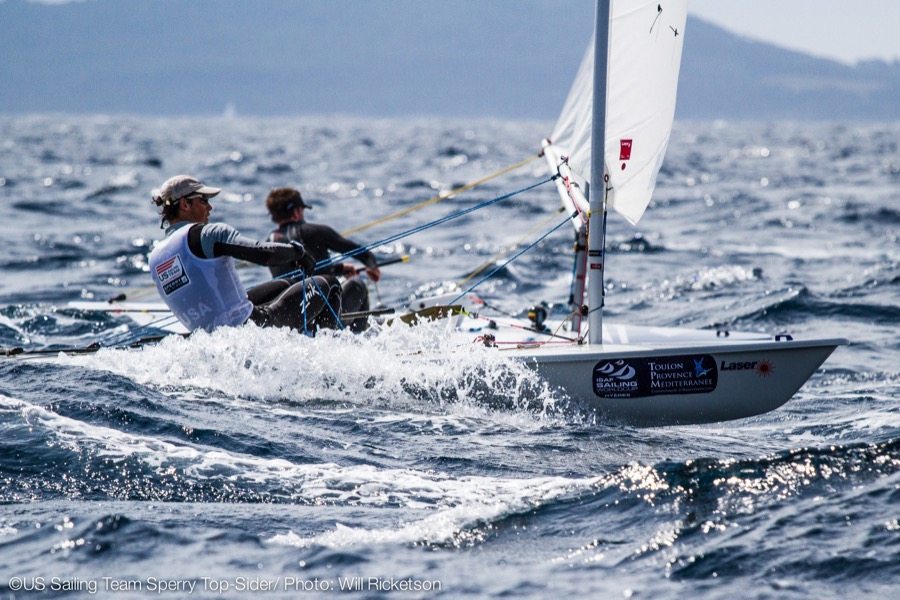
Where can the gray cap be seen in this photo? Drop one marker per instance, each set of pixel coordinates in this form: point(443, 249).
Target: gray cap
point(181, 186)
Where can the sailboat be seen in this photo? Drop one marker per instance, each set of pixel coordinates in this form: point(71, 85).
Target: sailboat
point(607, 148)
point(606, 151)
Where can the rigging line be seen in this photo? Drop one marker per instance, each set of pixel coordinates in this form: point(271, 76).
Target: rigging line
point(337, 319)
point(303, 305)
point(499, 310)
point(560, 326)
point(126, 338)
point(439, 197)
point(553, 334)
point(512, 258)
point(540, 225)
point(393, 238)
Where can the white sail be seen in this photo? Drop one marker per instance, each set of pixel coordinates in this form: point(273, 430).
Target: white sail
point(645, 41)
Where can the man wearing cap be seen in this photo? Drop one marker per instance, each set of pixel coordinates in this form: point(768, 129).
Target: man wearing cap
point(193, 268)
point(286, 207)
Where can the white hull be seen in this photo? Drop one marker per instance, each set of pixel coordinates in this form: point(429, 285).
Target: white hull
point(653, 376)
point(742, 379)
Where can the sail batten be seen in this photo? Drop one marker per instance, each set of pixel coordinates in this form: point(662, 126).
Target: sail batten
point(644, 56)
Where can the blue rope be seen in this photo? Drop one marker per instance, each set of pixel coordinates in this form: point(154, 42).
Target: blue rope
point(303, 305)
point(327, 303)
point(126, 338)
point(333, 261)
point(513, 257)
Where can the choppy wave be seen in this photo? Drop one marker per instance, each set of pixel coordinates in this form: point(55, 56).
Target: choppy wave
point(383, 368)
point(266, 453)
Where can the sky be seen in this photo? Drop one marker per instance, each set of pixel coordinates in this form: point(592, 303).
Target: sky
point(845, 30)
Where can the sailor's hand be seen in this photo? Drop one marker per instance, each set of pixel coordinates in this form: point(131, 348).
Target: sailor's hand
point(374, 274)
point(308, 263)
point(304, 258)
point(348, 270)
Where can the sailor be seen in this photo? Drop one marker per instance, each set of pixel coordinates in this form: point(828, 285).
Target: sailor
point(194, 272)
point(286, 208)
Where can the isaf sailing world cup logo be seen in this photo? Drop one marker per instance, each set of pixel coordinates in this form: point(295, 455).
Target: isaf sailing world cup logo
point(615, 378)
point(620, 370)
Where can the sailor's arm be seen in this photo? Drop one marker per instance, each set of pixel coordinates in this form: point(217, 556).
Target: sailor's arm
point(218, 239)
point(335, 241)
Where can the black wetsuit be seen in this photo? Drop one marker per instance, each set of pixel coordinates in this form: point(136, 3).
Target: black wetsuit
point(277, 303)
point(318, 240)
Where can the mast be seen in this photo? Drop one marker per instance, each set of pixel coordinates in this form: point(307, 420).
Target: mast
point(598, 189)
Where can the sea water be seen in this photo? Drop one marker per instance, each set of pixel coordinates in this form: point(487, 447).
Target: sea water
point(261, 463)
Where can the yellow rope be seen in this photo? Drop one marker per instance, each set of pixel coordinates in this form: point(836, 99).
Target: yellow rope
point(541, 224)
point(439, 197)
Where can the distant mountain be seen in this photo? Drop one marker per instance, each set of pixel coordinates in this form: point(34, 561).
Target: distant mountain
point(725, 75)
point(494, 58)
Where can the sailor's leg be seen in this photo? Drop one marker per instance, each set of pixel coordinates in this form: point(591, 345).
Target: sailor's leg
point(266, 292)
point(355, 298)
point(329, 286)
point(287, 309)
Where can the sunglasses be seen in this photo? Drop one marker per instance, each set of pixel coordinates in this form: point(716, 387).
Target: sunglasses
point(200, 197)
